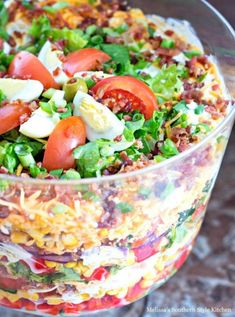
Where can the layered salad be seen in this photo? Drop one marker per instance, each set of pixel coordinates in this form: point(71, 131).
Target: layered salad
point(95, 90)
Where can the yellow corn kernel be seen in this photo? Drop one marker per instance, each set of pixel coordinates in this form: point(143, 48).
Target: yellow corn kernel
point(85, 296)
point(104, 233)
point(159, 265)
point(122, 293)
point(113, 292)
point(33, 297)
point(54, 301)
point(88, 272)
point(131, 258)
point(50, 264)
point(146, 283)
point(69, 240)
point(40, 244)
point(70, 265)
point(19, 237)
point(100, 294)
point(150, 276)
point(80, 267)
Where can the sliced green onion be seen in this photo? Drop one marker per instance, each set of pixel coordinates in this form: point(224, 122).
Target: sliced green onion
point(57, 172)
point(49, 93)
point(55, 7)
point(191, 54)
point(91, 29)
point(168, 44)
point(59, 209)
point(199, 109)
point(90, 82)
point(24, 154)
point(71, 174)
point(124, 207)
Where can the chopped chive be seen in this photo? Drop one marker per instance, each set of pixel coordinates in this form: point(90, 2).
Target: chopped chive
point(191, 54)
point(59, 209)
point(24, 154)
point(90, 82)
point(71, 174)
point(49, 93)
point(124, 207)
point(57, 172)
point(168, 44)
point(199, 109)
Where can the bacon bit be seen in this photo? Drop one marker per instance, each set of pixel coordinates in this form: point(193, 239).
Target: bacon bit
point(192, 94)
point(61, 110)
point(118, 138)
point(3, 170)
point(57, 71)
point(126, 160)
point(11, 41)
point(127, 118)
point(169, 32)
point(190, 86)
point(18, 34)
point(23, 118)
point(181, 137)
point(1, 44)
point(2, 74)
point(116, 40)
point(4, 212)
point(215, 87)
point(168, 52)
point(156, 42)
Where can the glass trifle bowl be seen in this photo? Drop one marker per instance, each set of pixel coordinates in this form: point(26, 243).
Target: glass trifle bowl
point(71, 247)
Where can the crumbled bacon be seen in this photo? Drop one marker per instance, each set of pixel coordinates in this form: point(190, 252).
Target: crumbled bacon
point(192, 94)
point(126, 160)
point(167, 52)
point(181, 137)
point(156, 42)
point(57, 71)
point(169, 32)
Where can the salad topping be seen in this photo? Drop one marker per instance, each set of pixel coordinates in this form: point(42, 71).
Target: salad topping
point(142, 86)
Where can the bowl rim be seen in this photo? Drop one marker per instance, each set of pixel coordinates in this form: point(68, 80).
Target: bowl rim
point(142, 171)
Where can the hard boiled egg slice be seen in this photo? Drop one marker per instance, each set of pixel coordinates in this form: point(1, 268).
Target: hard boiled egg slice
point(26, 90)
point(50, 59)
point(101, 122)
point(40, 124)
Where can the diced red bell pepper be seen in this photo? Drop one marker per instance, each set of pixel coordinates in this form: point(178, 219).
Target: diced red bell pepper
point(105, 302)
point(70, 308)
point(181, 259)
point(144, 253)
point(6, 303)
point(199, 211)
point(50, 309)
point(100, 274)
point(27, 304)
point(135, 292)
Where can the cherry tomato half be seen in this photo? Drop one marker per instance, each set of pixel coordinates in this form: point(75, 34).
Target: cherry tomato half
point(84, 60)
point(27, 66)
point(139, 94)
point(12, 115)
point(67, 135)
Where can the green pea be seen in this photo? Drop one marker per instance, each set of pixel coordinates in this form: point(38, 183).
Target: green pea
point(72, 86)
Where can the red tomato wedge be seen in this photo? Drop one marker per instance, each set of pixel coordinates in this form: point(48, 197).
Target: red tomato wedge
point(139, 94)
point(12, 115)
point(84, 60)
point(27, 66)
point(67, 135)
